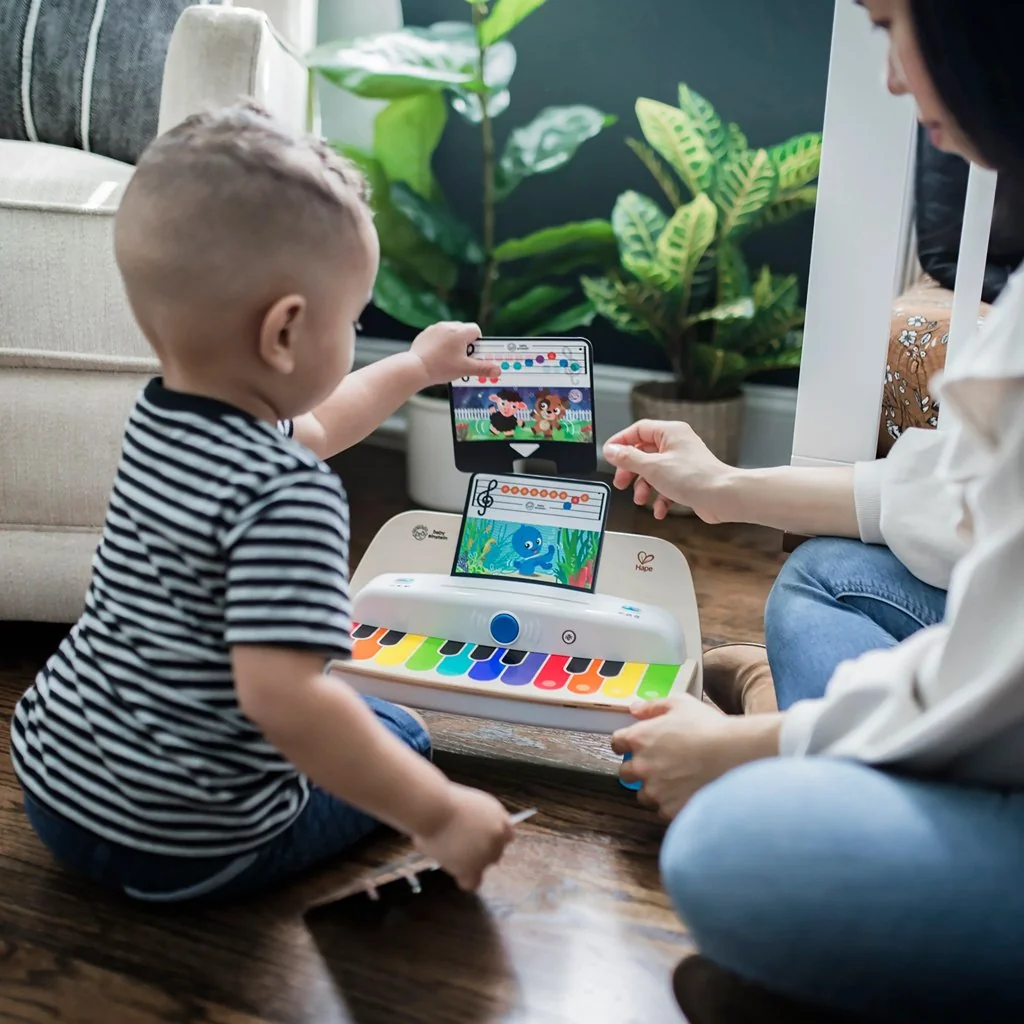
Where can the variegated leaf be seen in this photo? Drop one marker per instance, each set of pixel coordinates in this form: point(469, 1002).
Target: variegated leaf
point(687, 236)
point(797, 160)
point(745, 187)
point(672, 134)
point(628, 305)
point(709, 124)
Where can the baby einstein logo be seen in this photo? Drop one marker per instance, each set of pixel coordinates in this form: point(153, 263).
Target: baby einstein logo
point(420, 532)
point(643, 562)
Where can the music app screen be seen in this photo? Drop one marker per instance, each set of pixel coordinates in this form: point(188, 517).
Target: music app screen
point(535, 529)
point(540, 405)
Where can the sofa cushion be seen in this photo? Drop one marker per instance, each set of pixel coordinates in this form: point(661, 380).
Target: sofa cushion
point(60, 294)
point(85, 74)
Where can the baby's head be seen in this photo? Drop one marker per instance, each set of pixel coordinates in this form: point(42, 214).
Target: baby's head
point(248, 253)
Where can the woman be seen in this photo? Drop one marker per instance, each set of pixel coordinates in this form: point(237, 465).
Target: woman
point(877, 866)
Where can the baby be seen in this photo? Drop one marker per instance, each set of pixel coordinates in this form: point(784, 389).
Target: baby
point(185, 740)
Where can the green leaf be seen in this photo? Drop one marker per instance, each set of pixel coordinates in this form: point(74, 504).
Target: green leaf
point(737, 140)
point(707, 122)
point(504, 17)
point(400, 241)
point(775, 291)
point(741, 309)
point(786, 206)
point(628, 305)
point(733, 275)
point(638, 223)
point(596, 233)
point(405, 134)
point(776, 313)
point(676, 138)
point(783, 356)
point(408, 303)
point(658, 170)
point(499, 66)
point(720, 370)
point(745, 186)
point(517, 315)
point(438, 225)
point(392, 65)
point(686, 238)
point(570, 260)
point(797, 160)
point(548, 142)
point(581, 315)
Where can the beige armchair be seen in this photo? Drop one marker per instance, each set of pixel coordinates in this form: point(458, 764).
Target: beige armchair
point(71, 359)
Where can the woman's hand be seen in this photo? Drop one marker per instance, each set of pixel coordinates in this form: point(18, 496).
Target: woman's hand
point(681, 744)
point(671, 461)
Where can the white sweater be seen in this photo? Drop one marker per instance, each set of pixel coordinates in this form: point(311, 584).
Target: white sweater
point(949, 701)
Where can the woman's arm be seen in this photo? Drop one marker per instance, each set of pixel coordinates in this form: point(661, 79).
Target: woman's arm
point(900, 501)
point(811, 500)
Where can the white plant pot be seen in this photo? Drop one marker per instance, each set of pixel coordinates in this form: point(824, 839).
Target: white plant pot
point(432, 480)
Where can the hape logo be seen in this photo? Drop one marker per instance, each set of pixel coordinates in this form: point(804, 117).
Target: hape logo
point(643, 562)
point(419, 533)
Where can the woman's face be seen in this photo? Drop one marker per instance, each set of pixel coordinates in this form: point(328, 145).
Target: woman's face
point(906, 73)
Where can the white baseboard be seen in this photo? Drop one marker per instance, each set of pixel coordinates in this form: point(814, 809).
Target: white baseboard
point(767, 428)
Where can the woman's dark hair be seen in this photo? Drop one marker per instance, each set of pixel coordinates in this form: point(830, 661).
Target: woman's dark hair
point(972, 50)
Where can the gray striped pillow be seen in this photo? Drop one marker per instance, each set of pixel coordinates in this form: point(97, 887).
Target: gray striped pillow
point(84, 73)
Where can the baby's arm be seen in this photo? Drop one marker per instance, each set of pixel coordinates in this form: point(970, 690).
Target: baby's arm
point(327, 732)
point(367, 397)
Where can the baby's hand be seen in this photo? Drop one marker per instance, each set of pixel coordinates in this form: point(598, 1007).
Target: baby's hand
point(441, 348)
point(470, 837)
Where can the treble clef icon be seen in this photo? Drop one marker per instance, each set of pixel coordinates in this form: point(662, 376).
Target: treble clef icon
point(483, 498)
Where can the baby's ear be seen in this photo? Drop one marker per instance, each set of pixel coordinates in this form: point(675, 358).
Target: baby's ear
point(281, 333)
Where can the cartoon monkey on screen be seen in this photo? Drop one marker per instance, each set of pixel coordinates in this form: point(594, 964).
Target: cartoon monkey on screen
point(548, 410)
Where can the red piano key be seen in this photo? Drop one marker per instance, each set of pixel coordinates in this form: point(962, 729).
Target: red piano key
point(553, 674)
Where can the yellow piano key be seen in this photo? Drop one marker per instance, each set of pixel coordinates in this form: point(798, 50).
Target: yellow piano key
point(397, 653)
point(626, 682)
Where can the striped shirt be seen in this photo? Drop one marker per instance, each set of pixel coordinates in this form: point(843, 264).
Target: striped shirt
point(221, 530)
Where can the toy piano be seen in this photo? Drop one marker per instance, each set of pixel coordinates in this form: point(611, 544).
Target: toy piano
point(517, 651)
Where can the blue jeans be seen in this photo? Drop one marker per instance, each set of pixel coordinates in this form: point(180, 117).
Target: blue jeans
point(325, 828)
point(835, 600)
point(840, 885)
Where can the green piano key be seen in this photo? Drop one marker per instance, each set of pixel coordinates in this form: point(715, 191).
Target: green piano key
point(657, 682)
point(427, 655)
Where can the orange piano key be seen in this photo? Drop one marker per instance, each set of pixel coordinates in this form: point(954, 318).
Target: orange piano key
point(365, 647)
point(585, 679)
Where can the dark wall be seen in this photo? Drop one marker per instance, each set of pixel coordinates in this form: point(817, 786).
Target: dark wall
point(763, 63)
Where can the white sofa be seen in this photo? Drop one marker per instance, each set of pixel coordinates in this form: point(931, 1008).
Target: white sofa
point(71, 359)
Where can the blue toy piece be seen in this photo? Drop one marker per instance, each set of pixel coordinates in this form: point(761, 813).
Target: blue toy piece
point(629, 785)
point(526, 542)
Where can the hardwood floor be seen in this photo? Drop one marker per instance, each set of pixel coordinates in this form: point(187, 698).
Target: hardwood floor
point(572, 928)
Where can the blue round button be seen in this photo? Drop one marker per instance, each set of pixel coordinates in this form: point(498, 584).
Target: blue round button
point(504, 628)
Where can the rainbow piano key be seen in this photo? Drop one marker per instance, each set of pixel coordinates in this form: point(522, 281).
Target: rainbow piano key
point(531, 675)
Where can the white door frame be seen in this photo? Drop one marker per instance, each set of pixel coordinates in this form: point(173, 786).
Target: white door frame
point(860, 248)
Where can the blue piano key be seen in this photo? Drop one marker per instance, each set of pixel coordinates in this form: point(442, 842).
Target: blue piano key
point(457, 664)
point(486, 671)
point(523, 673)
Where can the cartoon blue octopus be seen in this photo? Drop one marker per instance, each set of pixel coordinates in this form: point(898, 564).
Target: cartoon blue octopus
point(526, 542)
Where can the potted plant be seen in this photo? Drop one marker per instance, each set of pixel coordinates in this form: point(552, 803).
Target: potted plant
point(682, 280)
point(435, 266)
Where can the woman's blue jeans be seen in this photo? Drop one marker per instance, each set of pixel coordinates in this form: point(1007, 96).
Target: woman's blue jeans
point(835, 600)
point(838, 884)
